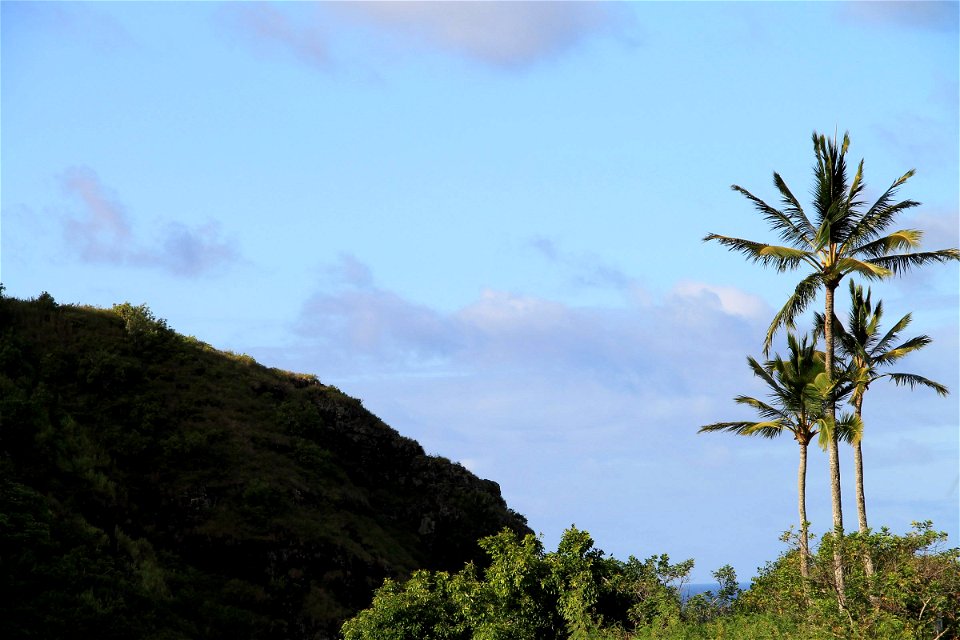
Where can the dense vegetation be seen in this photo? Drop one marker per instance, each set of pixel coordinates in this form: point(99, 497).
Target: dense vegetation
point(153, 487)
point(579, 593)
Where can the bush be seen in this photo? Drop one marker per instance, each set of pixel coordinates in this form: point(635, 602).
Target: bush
point(574, 592)
point(140, 323)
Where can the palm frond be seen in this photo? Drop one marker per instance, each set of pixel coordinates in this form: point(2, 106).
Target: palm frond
point(912, 380)
point(890, 356)
point(802, 296)
point(896, 241)
point(849, 428)
point(783, 258)
point(764, 374)
point(788, 256)
point(839, 331)
point(882, 345)
point(744, 428)
point(824, 234)
point(830, 188)
point(856, 188)
point(880, 215)
point(898, 264)
point(786, 225)
point(793, 210)
point(867, 269)
point(835, 388)
point(825, 431)
point(765, 410)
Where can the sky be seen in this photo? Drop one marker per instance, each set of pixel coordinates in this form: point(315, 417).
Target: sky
point(486, 220)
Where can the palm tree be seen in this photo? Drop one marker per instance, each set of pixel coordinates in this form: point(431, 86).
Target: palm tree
point(797, 393)
point(867, 352)
point(843, 238)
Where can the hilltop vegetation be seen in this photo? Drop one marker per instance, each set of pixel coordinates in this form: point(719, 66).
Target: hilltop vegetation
point(154, 487)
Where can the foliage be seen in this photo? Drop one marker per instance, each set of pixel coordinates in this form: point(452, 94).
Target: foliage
point(577, 592)
point(707, 606)
point(913, 593)
point(140, 323)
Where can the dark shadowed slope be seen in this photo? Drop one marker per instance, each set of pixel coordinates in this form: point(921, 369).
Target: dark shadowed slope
point(154, 487)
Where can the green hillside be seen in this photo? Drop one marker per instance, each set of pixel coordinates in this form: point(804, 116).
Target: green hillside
point(154, 487)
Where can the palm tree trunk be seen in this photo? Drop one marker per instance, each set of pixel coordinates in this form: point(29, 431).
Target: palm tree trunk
point(833, 449)
point(858, 464)
point(861, 501)
point(802, 507)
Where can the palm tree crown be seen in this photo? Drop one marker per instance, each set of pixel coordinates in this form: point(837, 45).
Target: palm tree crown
point(797, 391)
point(868, 351)
point(843, 237)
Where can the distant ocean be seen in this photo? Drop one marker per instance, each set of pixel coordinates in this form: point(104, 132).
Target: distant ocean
point(690, 590)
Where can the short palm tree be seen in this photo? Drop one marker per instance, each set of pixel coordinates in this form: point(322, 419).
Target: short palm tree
point(867, 352)
point(797, 405)
point(844, 237)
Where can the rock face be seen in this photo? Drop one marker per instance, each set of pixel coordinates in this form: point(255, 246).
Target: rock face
point(151, 486)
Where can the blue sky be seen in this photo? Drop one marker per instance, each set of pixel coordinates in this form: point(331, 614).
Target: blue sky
point(485, 220)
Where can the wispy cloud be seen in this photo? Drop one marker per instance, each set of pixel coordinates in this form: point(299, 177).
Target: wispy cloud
point(100, 231)
point(503, 34)
point(500, 34)
point(936, 15)
point(189, 251)
point(82, 23)
point(926, 138)
point(268, 26)
point(588, 271)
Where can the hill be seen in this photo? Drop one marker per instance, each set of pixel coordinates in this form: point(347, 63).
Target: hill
point(154, 487)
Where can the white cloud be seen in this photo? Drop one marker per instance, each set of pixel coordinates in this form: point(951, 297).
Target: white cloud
point(732, 300)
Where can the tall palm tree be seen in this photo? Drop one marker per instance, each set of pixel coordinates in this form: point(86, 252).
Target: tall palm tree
point(843, 237)
point(867, 352)
point(796, 405)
